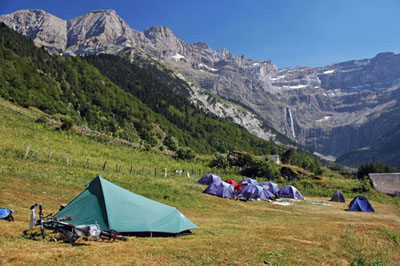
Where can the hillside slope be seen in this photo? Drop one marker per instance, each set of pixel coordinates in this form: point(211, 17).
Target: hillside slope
point(383, 150)
point(70, 88)
point(167, 93)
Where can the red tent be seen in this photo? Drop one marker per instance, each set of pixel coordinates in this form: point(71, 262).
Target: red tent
point(235, 185)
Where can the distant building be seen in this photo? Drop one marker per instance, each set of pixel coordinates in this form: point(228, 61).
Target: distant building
point(388, 183)
point(276, 158)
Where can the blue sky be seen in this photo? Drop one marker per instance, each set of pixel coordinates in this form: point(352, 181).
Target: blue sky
point(288, 32)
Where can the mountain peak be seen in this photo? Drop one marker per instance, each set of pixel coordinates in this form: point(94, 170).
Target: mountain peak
point(30, 15)
point(104, 11)
point(162, 38)
point(159, 32)
point(98, 30)
point(45, 29)
point(98, 15)
point(202, 45)
point(30, 11)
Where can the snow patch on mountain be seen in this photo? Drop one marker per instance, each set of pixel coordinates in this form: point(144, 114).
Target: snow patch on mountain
point(329, 72)
point(177, 57)
point(325, 118)
point(207, 67)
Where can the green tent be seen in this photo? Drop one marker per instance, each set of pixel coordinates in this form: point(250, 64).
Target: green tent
point(115, 208)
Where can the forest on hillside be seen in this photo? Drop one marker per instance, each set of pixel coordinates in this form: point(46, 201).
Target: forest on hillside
point(137, 101)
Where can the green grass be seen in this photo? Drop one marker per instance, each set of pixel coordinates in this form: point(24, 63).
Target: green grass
point(232, 233)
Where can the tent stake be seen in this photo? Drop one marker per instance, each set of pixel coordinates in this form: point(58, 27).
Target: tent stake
point(49, 157)
point(27, 151)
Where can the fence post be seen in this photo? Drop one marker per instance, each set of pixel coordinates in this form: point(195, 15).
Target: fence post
point(27, 151)
point(68, 160)
point(155, 171)
point(130, 171)
point(165, 172)
point(49, 157)
point(104, 165)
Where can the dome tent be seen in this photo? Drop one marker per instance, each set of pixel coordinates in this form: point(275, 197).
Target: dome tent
point(361, 204)
point(265, 194)
point(338, 197)
point(252, 191)
point(115, 208)
point(248, 180)
point(220, 189)
point(272, 187)
point(208, 179)
point(290, 192)
point(6, 214)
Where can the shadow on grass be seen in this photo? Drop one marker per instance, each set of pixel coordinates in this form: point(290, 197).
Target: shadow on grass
point(37, 236)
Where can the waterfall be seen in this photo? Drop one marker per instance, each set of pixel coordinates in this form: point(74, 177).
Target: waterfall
point(291, 122)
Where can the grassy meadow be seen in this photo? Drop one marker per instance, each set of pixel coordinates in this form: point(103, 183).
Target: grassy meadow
point(232, 233)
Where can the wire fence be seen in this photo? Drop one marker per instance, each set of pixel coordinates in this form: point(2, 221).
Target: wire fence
point(122, 167)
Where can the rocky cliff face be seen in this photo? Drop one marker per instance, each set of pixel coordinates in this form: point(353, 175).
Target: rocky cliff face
point(333, 109)
point(45, 29)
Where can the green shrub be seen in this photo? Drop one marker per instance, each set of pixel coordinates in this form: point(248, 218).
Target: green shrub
point(239, 159)
point(67, 124)
point(261, 168)
point(185, 153)
point(42, 119)
point(302, 160)
point(171, 143)
point(373, 167)
point(219, 161)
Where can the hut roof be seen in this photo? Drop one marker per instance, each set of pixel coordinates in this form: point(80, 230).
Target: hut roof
point(388, 183)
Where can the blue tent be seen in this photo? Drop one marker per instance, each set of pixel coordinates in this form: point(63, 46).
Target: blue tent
point(252, 191)
point(220, 189)
point(360, 204)
point(265, 194)
point(207, 179)
point(290, 192)
point(5, 213)
point(248, 180)
point(249, 192)
point(272, 187)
